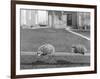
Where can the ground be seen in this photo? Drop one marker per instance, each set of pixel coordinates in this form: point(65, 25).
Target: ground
point(53, 61)
point(61, 39)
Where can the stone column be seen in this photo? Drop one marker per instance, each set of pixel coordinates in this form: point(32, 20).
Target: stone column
point(33, 18)
point(64, 20)
point(28, 18)
point(52, 19)
point(23, 17)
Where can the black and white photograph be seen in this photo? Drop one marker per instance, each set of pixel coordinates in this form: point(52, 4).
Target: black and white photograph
point(53, 39)
point(50, 39)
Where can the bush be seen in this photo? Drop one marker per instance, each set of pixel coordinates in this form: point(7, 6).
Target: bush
point(79, 49)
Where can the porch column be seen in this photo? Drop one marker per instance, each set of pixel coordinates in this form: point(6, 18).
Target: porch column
point(53, 15)
point(23, 17)
point(64, 19)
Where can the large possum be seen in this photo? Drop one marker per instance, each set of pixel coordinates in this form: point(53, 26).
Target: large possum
point(45, 49)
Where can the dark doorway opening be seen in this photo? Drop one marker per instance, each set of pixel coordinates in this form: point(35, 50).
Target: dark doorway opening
point(69, 19)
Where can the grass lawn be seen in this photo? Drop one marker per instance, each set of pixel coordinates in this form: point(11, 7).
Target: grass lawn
point(63, 40)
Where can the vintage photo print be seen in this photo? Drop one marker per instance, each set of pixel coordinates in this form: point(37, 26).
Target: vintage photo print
point(53, 39)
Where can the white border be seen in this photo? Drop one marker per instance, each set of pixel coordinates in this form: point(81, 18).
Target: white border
point(51, 70)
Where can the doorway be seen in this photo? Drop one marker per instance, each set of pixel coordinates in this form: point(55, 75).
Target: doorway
point(69, 19)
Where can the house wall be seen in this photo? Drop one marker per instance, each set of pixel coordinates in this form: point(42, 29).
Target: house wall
point(23, 17)
point(35, 18)
point(64, 20)
point(28, 18)
point(83, 20)
point(57, 20)
point(74, 17)
point(49, 20)
point(42, 17)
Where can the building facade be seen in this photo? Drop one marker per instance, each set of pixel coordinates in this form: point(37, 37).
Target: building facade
point(55, 19)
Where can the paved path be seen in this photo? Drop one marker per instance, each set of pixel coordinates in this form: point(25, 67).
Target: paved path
point(71, 57)
point(58, 54)
point(78, 34)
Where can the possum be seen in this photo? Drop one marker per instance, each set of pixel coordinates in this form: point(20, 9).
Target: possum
point(79, 49)
point(45, 49)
